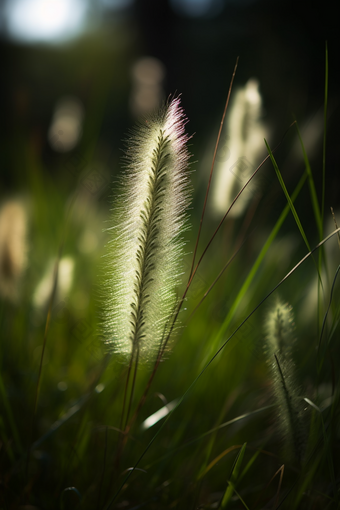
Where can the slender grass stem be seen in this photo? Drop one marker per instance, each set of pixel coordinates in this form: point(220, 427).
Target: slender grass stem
point(212, 167)
point(132, 389)
point(47, 325)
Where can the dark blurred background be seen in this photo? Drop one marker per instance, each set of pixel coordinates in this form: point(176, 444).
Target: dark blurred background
point(77, 73)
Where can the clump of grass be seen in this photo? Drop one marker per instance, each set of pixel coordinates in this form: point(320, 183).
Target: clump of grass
point(145, 250)
point(177, 449)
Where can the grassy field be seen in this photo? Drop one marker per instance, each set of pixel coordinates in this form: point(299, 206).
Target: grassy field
point(227, 417)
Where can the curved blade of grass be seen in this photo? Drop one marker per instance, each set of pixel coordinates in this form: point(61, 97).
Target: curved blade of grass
point(292, 208)
point(289, 200)
point(209, 446)
point(250, 463)
point(218, 458)
point(329, 306)
point(233, 477)
point(226, 342)
point(240, 498)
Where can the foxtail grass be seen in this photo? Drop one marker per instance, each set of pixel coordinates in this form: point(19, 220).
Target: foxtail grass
point(279, 349)
point(146, 246)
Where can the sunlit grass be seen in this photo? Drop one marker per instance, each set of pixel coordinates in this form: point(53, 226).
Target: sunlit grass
point(219, 443)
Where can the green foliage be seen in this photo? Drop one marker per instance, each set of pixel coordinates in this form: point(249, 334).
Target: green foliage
point(233, 479)
point(73, 422)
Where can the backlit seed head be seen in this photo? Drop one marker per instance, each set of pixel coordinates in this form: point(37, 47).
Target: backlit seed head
point(143, 259)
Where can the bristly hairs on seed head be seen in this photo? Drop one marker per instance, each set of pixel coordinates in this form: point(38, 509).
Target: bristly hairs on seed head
point(145, 250)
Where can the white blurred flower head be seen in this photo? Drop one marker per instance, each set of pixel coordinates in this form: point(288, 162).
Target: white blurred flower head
point(44, 288)
point(244, 134)
point(66, 127)
point(147, 92)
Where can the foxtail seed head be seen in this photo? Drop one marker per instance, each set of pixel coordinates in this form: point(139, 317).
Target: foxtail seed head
point(279, 330)
point(279, 342)
point(145, 249)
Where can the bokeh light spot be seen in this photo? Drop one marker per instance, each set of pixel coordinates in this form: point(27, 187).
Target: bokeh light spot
point(44, 20)
point(66, 127)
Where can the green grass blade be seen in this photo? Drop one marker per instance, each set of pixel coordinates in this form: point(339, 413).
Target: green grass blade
point(210, 445)
point(297, 220)
point(306, 482)
point(240, 498)
point(233, 477)
point(289, 200)
point(250, 463)
point(329, 306)
point(218, 458)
